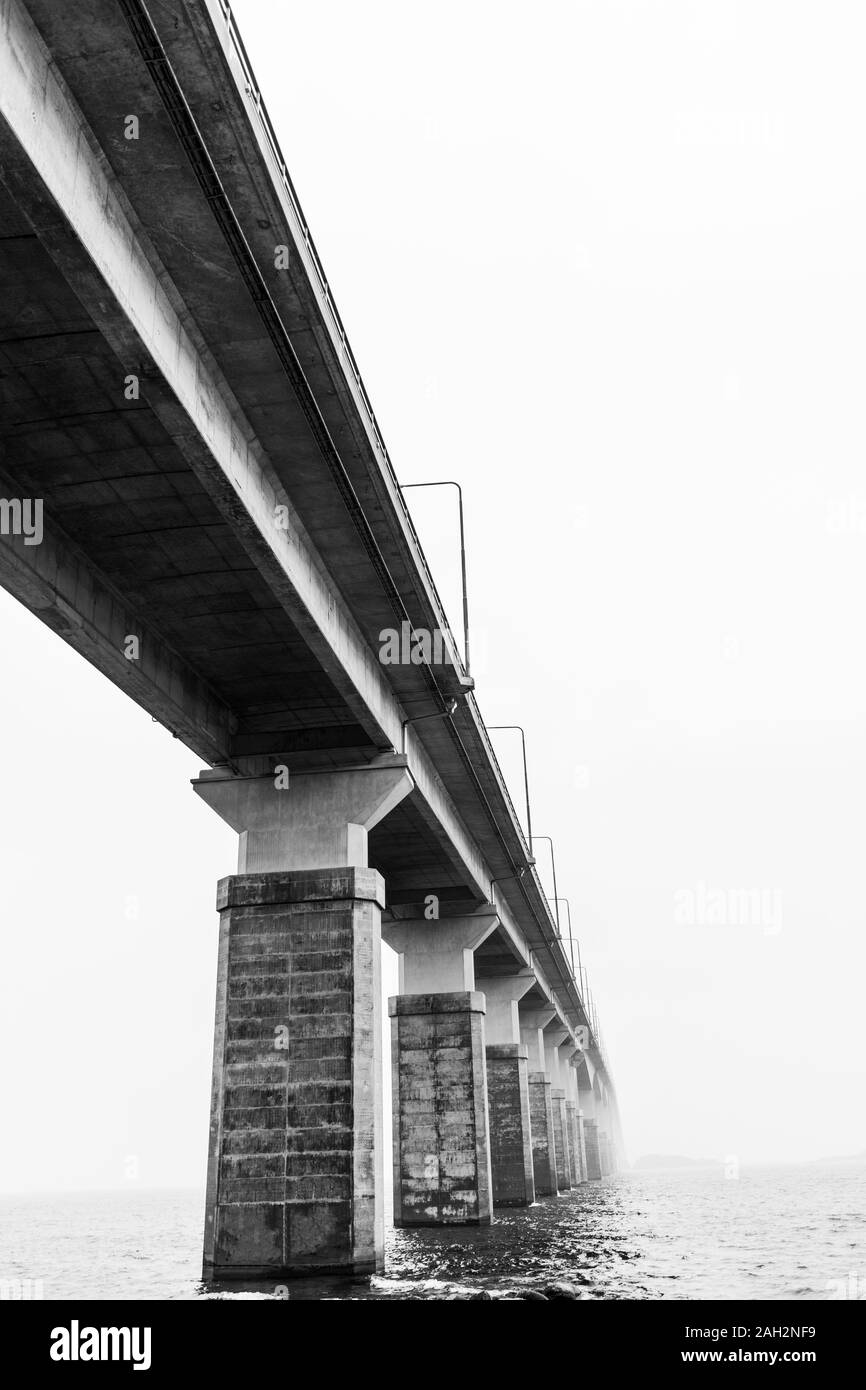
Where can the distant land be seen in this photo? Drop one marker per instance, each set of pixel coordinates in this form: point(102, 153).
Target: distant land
point(649, 1163)
point(843, 1158)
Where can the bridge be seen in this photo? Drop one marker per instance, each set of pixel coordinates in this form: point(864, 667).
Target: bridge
point(196, 496)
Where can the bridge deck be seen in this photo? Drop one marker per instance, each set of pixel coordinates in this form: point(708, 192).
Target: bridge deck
point(260, 647)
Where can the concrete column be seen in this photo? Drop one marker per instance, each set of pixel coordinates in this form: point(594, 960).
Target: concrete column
point(295, 1169)
point(508, 1090)
point(438, 956)
point(573, 1152)
point(590, 1130)
point(593, 1156)
point(571, 1109)
point(604, 1145)
point(319, 820)
point(532, 1024)
point(554, 1037)
point(442, 1171)
point(580, 1137)
point(616, 1140)
point(589, 1105)
point(604, 1153)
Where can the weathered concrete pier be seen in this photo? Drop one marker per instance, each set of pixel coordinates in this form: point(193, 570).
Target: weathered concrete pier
point(225, 539)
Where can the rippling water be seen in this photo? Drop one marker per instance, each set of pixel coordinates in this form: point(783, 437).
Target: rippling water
point(793, 1232)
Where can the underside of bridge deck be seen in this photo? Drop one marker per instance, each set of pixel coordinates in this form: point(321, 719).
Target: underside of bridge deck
point(223, 536)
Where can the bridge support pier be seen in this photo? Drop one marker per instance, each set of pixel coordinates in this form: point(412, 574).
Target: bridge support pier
point(581, 1142)
point(571, 1109)
point(508, 1091)
point(604, 1153)
point(573, 1175)
point(532, 1023)
point(442, 1172)
point(605, 1147)
point(590, 1104)
point(583, 1146)
point(593, 1155)
point(553, 1041)
point(579, 1132)
point(295, 1173)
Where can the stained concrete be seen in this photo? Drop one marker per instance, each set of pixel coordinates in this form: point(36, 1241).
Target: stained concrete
point(584, 1166)
point(441, 1152)
point(510, 1127)
point(593, 1158)
point(560, 1136)
point(258, 640)
point(574, 1172)
point(541, 1127)
point(295, 1173)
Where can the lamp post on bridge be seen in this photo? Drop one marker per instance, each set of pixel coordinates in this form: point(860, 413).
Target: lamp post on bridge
point(581, 975)
point(592, 1009)
point(589, 1002)
point(556, 900)
point(571, 937)
point(501, 728)
point(448, 482)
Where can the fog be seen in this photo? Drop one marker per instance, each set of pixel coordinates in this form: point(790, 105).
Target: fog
point(603, 264)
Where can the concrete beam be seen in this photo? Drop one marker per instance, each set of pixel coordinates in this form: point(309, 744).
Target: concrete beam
point(56, 173)
point(59, 584)
point(63, 182)
point(554, 1035)
point(438, 957)
point(503, 994)
point(319, 820)
point(532, 1025)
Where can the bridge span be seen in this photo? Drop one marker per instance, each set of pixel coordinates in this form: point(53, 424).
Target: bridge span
point(222, 534)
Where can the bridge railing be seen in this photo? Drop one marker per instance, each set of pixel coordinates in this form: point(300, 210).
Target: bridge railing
point(332, 313)
point(344, 350)
point(491, 753)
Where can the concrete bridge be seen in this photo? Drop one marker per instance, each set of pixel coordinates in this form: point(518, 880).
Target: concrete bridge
point(221, 532)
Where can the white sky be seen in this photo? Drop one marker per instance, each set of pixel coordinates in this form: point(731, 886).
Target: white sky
point(603, 263)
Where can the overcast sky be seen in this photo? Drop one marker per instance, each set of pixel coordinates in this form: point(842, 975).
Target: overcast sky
point(603, 263)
